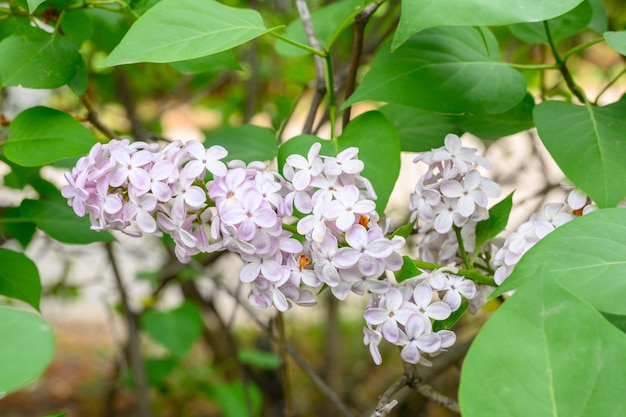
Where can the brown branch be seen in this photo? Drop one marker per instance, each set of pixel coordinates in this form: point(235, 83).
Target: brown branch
point(134, 349)
point(92, 117)
point(360, 21)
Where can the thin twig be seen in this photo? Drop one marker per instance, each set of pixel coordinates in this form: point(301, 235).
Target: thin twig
point(320, 83)
point(315, 378)
point(279, 325)
point(134, 352)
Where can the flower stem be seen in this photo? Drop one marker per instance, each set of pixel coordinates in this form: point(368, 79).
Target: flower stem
point(567, 76)
point(299, 45)
point(459, 238)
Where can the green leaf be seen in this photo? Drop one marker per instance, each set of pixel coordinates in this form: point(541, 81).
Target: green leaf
point(448, 70)
point(23, 232)
point(57, 415)
point(420, 130)
point(247, 143)
point(158, 369)
point(77, 26)
point(496, 126)
point(586, 253)
point(616, 40)
point(405, 230)
point(616, 320)
point(498, 218)
point(60, 222)
point(408, 270)
point(234, 398)
point(325, 22)
point(591, 134)
point(379, 149)
point(41, 135)
point(19, 278)
point(176, 329)
point(545, 353)
point(38, 60)
point(418, 15)
point(26, 350)
point(259, 358)
point(177, 30)
point(219, 61)
point(564, 26)
point(33, 4)
point(79, 82)
point(599, 19)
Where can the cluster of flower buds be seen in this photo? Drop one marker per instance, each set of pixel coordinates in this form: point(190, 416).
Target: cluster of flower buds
point(139, 188)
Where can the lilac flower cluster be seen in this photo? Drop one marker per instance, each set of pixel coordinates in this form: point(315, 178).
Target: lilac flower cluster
point(403, 315)
point(452, 193)
point(139, 188)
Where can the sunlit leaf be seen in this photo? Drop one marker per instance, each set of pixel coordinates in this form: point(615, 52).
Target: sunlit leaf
point(418, 15)
point(560, 27)
point(247, 143)
point(177, 30)
point(448, 70)
point(498, 218)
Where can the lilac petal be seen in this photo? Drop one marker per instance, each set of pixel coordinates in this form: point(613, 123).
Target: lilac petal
point(195, 149)
point(393, 299)
point(217, 168)
point(272, 270)
point(453, 299)
point(347, 257)
point(265, 218)
point(447, 338)
point(390, 331)
point(465, 206)
point(345, 220)
point(140, 178)
point(247, 230)
point(370, 266)
point(356, 236)
point(250, 272)
point(280, 301)
point(416, 325)
point(297, 161)
point(380, 248)
point(348, 195)
point(443, 222)
point(489, 187)
point(375, 316)
point(451, 189)
point(423, 295)
point(439, 310)
point(217, 152)
point(301, 180)
point(161, 191)
point(141, 158)
point(364, 206)
point(429, 342)
point(112, 204)
point(194, 169)
point(145, 222)
point(410, 353)
point(195, 196)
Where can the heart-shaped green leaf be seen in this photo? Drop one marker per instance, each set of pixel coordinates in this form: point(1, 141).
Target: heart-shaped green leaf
point(588, 144)
point(448, 69)
point(177, 30)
